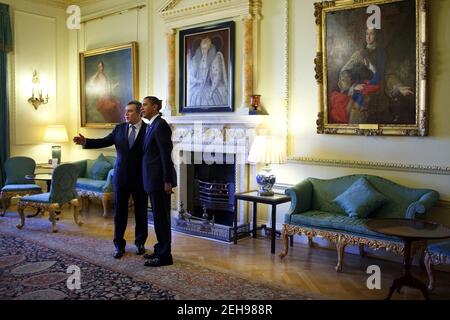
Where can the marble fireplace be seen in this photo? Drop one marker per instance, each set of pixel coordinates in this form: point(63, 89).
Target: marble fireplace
point(210, 156)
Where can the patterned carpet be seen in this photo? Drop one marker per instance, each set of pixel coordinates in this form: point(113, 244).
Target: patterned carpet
point(34, 272)
point(33, 264)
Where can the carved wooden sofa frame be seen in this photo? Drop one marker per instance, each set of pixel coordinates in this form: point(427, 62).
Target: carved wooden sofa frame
point(342, 240)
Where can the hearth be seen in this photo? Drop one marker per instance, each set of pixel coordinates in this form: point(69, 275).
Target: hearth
point(212, 194)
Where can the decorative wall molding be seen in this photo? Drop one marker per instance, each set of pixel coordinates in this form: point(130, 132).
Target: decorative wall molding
point(113, 11)
point(210, 10)
point(53, 3)
point(417, 168)
point(64, 3)
point(286, 95)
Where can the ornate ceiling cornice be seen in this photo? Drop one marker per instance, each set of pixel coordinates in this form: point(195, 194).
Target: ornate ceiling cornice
point(176, 16)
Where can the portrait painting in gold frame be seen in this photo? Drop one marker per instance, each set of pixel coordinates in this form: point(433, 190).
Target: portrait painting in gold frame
point(371, 67)
point(108, 81)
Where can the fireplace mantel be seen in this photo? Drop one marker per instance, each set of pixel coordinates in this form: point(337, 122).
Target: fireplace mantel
point(243, 121)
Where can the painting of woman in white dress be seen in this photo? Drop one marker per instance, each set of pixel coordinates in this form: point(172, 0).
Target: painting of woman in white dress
point(109, 81)
point(207, 80)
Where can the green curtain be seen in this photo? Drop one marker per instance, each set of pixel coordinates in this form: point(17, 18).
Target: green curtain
point(5, 47)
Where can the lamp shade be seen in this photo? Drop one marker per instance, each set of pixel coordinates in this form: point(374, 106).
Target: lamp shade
point(266, 150)
point(56, 133)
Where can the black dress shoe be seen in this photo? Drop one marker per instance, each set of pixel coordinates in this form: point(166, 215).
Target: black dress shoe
point(119, 253)
point(140, 249)
point(150, 256)
point(158, 262)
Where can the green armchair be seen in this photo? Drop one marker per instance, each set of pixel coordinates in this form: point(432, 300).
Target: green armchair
point(62, 192)
point(16, 185)
point(95, 180)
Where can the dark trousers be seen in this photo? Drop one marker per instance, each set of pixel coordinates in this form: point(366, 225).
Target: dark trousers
point(121, 196)
point(160, 202)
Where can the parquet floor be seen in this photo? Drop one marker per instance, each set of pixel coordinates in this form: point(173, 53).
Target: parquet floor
point(311, 269)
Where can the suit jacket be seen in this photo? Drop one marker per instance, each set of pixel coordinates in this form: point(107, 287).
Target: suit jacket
point(157, 162)
point(128, 167)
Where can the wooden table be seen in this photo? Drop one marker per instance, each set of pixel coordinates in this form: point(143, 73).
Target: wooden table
point(252, 196)
point(47, 177)
point(409, 230)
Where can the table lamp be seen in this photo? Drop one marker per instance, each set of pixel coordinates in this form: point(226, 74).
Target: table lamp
point(56, 133)
point(266, 150)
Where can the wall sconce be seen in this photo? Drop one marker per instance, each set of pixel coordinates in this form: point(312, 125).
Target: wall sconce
point(36, 92)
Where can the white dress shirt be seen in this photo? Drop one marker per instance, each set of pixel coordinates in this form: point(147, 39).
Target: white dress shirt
point(152, 119)
point(138, 127)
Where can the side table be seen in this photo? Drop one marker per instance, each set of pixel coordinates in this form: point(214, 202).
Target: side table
point(408, 231)
point(252, 196)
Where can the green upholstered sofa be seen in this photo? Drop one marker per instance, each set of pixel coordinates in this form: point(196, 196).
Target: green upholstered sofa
point(97, 185)
point(313, 213)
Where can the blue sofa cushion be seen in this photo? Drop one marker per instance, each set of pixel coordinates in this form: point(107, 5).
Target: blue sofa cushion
point(41, 197)
point(89, 164)
point(20, 187)
point(100, 169)
point(91, 184)
point(361, 199)
point(338, 222)
point(442, 247)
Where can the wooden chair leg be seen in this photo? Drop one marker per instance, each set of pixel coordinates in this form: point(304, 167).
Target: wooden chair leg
point(20, 211)
point(105, 205)
point(429, 267)
point(52, 216)
point(340, 246)
point(310, 242)
point(362, 252)
point(76, 211)
point(5, 205)
point(82, 205)
point(285, 238)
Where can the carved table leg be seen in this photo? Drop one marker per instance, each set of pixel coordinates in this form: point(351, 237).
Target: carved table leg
point(407, 279)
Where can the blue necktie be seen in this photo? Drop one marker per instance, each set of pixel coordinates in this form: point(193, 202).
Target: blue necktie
point(132, 136)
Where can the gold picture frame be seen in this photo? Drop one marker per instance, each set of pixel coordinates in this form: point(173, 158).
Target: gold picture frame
point(372, 81)
point(108, 81)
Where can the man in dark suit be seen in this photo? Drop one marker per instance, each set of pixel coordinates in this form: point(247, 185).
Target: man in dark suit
point(128, 138)
point(159, 179)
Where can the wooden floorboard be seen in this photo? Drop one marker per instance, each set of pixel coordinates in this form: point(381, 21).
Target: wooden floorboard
point(309, 269)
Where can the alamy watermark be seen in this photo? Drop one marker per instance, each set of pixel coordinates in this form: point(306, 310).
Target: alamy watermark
point(374, 21)
point(74, 20)
point(374, 280)
point(206, 145)
point(74, 280)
